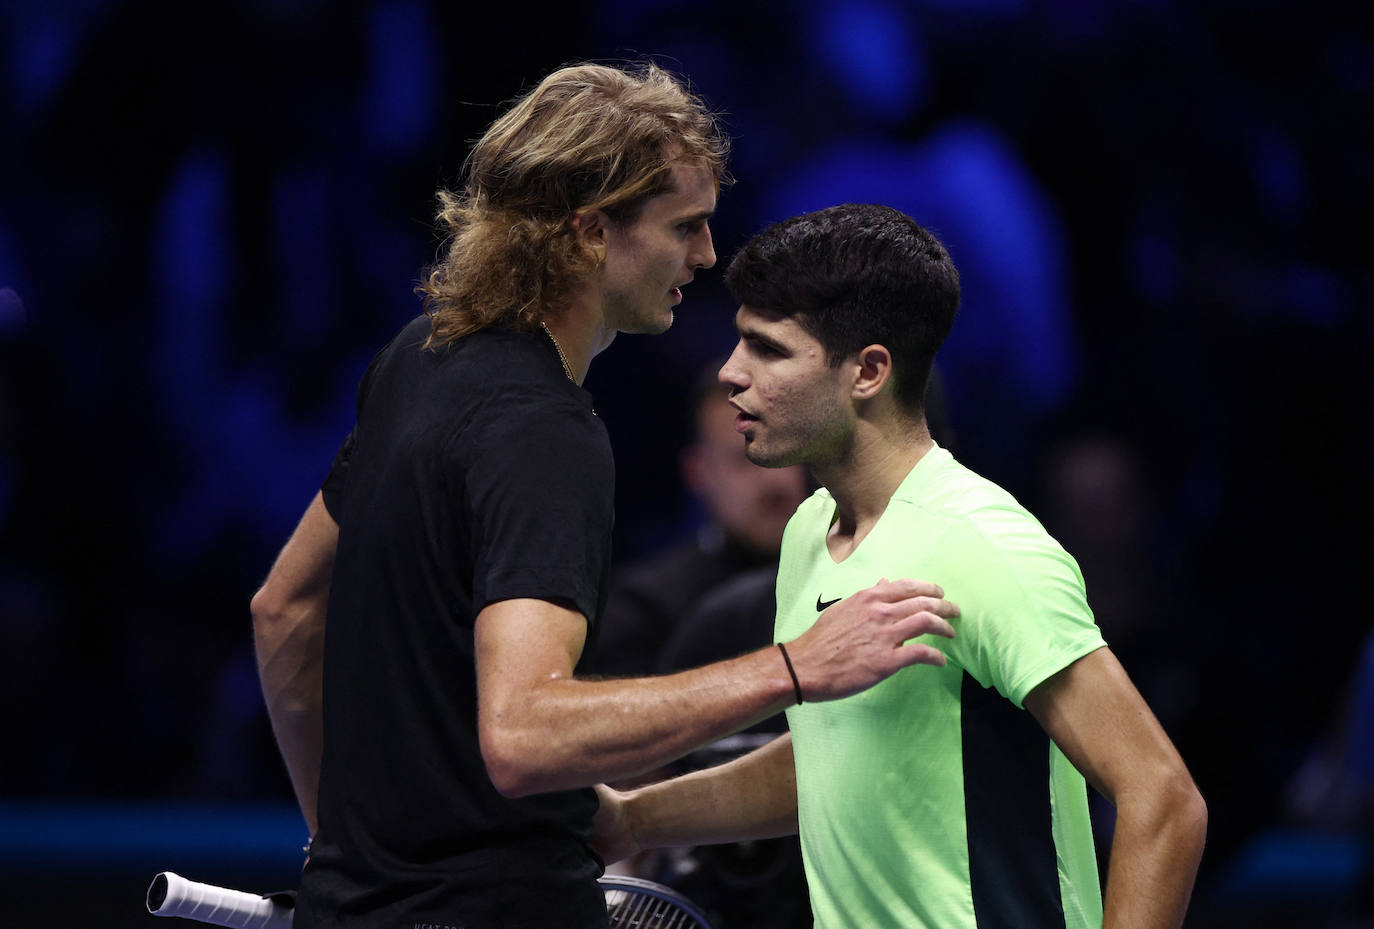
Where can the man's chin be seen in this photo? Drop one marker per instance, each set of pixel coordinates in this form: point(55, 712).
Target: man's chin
point(656, 326)
point(760, 456)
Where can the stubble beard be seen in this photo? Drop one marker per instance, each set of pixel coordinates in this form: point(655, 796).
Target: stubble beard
point(637, 318)
point(827, 444)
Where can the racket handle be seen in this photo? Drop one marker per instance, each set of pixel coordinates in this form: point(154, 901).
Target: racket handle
point(173, 895)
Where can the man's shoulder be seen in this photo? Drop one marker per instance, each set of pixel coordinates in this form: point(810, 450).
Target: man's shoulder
point(494, 352)
point(817, 508)
point(956, 495)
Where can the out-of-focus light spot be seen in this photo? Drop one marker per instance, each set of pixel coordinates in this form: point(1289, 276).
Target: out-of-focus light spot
point(12, 314)
point(1314, 295)
point(193, 257)
point(303, 243)
point(400, 95)
point(1290, 864)
point(872, 48)
point(40, 52)
point(1278, 173)
point(1154, 267)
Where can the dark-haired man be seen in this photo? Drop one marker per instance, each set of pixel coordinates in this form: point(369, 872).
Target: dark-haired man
point(953, 798)
point(440, 745)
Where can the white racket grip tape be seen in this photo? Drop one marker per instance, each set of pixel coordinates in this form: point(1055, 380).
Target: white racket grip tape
point(173, 895)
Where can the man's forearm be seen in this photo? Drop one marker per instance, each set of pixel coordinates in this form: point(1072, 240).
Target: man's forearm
point(752, 797)
point(291, 672)
point(288, 634)
point(593, 731)
point(1156, 848)
point(542, 729)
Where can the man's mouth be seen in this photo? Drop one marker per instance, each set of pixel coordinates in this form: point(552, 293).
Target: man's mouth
point(743, 420)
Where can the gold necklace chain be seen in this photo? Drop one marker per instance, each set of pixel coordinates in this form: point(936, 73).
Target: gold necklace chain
point(567, 369)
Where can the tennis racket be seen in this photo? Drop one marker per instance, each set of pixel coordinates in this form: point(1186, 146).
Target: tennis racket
point(631, 903)
point(173, 895)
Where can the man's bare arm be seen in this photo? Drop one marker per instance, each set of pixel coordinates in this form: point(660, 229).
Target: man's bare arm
point(1098, 719)
point(288, 631)
point(541, 729)
point(752, 797)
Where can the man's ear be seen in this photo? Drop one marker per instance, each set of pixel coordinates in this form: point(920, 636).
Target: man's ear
point(874, 370)
point(590, 228)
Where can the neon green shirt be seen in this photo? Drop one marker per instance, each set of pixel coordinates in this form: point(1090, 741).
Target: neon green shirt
point(934, 799)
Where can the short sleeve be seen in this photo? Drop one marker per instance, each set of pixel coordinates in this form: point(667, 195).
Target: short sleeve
point(335, 486)
point(540, 501)
point(1025, 614)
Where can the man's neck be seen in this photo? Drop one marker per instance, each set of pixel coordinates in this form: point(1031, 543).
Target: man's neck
point(863, 482)
point(579, 332)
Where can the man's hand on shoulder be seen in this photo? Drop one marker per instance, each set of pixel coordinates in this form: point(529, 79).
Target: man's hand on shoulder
point(865, 638)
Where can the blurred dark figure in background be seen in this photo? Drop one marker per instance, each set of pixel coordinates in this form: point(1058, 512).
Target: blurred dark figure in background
point(1097, 504)
point(1097, 501)
point(705, 599)
point(746, 508)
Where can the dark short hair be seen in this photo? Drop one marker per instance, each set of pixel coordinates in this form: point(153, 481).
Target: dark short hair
point(854, 275)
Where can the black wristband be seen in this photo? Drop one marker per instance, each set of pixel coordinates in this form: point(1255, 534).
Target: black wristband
point(796, 684)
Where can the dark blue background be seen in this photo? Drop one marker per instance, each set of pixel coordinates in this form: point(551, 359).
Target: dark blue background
point(211, 215)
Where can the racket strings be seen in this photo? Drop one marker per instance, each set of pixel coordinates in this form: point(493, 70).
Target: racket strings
point(630, 910)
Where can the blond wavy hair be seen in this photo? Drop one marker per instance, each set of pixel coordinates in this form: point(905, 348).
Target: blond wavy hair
point(588, 137)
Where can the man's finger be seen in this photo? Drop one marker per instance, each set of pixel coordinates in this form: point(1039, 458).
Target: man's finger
point(917, 653)
point(936, 605)
point(905, 588)
point(918, 624)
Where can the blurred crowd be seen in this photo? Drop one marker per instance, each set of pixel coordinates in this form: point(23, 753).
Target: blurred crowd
point(211, 217)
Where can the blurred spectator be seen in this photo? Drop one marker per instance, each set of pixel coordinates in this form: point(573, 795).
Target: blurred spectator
point(1099, 504)
point(660, 603)
point(762, 884)
point(746, 508)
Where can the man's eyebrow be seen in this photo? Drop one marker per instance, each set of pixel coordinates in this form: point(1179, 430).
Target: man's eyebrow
point(697, 217)
point(752, 335)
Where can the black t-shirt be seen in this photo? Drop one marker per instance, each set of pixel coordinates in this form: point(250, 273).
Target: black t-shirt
point(476, 473)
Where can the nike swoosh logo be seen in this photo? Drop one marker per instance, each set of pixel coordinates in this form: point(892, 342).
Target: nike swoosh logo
point(826, 605)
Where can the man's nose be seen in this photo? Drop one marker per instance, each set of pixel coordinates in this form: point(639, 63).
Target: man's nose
point(705, 256)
